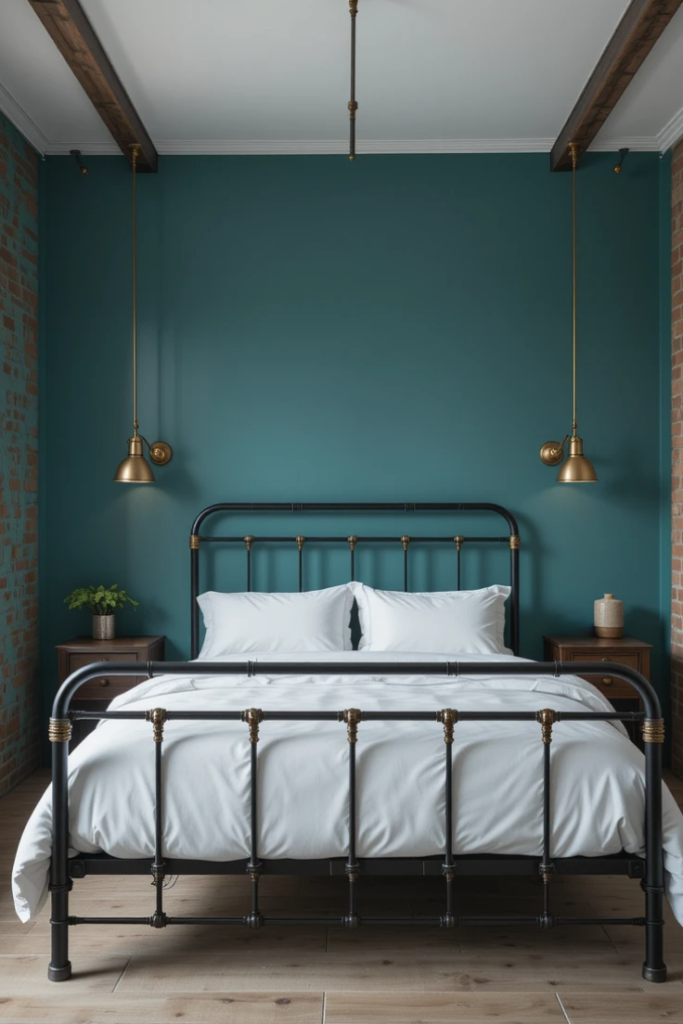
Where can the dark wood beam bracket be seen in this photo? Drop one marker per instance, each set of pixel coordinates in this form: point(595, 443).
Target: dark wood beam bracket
point(75, 38)
point(636, 34)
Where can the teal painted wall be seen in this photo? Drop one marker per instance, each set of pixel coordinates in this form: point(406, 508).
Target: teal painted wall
point(398, 329)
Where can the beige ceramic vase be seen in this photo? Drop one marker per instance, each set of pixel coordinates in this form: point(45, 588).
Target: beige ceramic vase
point(609, 616)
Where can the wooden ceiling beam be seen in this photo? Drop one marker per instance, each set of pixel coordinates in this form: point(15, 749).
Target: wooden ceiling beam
point(75, 38)
point(637, 32)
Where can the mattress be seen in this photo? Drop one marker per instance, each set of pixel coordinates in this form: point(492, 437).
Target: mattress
point(597, 775)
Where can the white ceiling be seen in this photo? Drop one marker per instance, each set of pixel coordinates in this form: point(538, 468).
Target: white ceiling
point(269, 76)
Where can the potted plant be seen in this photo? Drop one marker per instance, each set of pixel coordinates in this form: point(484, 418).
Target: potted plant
point(102, 602)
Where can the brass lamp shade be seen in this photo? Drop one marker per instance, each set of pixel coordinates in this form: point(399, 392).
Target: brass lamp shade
point(577, 469)
point(134, 469)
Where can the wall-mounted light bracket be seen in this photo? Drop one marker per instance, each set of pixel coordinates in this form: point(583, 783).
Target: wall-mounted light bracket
point(160, 453)
point(552, 452)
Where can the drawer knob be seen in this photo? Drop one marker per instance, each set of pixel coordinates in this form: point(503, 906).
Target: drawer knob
point(607, 680)
point(104, 682)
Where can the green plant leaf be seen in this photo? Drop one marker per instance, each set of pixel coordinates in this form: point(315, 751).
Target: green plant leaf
point(100, 600)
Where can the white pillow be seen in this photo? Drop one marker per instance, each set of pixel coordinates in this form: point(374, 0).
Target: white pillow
point(316, 620)
point(450, 622)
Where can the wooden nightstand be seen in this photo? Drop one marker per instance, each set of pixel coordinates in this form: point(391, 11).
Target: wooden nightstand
point(96, 695)
point(626, 651)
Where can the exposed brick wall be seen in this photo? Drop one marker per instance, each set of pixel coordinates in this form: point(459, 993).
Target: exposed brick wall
point(18, 457)
point(677, 459)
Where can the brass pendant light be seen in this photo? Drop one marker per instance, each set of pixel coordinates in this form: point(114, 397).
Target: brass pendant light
point(135, 469)
point(577, 469)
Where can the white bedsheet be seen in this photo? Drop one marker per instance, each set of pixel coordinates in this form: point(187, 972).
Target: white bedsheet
point(597, 775)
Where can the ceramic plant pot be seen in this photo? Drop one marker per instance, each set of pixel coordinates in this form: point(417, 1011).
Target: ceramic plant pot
point(103, 627)
point(609, 616)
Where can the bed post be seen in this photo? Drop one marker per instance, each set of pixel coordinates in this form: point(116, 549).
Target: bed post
point(514, 585)
point(654, 968)
point(194, 592)
point(352, 716)
point(59, 732)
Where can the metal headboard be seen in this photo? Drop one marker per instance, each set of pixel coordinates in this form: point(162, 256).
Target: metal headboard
point(404, 542)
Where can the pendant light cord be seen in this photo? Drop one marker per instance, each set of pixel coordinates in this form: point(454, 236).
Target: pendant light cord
point(135, 149)
point(572, 149)
point(353, 106)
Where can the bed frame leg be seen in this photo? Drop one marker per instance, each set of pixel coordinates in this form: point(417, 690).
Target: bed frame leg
point(60, 966)
point(654, 968)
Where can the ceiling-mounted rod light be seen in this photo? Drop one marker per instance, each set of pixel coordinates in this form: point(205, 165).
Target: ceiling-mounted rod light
point(135, 469)
point(623, 153)
point(76, 154)
point(577, 469)
point(353, 106)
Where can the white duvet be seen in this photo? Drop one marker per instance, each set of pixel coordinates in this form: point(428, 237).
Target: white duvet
point(597, 775)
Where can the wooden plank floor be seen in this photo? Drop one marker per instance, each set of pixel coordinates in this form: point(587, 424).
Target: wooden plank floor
point(316, 975)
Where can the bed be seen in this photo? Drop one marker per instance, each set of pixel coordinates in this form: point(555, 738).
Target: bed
point(350, 762)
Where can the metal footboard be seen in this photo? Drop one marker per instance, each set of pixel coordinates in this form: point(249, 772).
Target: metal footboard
point(651, 872)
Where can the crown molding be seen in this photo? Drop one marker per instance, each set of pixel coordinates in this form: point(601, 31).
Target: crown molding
point(671, 132)
point(21, 120)
point(338, 147)
point(311, 147)
point(105, 148)
point(636, 143)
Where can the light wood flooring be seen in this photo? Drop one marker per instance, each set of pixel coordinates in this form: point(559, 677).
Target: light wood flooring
point(315, 975)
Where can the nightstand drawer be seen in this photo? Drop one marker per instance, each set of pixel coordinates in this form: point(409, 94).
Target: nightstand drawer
point(611, 686)
point(103, 687)
point(97, 693)
point(623, 650)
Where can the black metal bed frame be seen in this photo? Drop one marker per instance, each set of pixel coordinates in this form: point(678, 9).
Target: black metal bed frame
point(64, 869)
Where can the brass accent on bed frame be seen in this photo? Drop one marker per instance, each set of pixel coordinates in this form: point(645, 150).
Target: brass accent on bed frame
point(157, 716)
point(248, 540)
point(458, 542)
point(253, 717)
point(547, 717)
point(352, 716)
point(653, 730)
point(405, 541)
point(300, 541)
point(514, 542)
point(194, 542)
point(352, 542)
point(59, 730)
point(449, 716)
